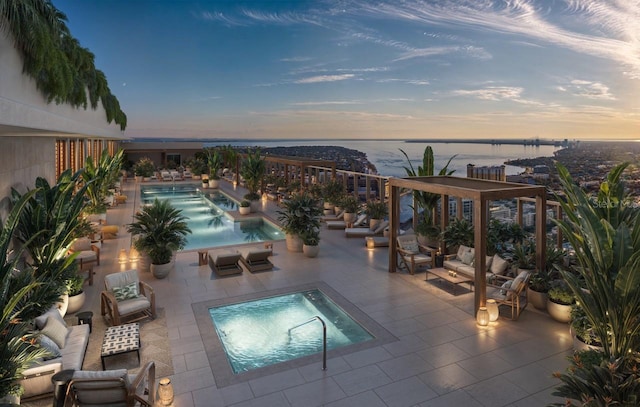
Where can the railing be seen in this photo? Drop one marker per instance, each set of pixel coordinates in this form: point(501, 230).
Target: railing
point(324, 338)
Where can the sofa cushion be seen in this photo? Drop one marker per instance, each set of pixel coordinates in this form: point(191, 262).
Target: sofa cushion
point(499, 265)
point(96, 393)
point(130, 306)
point(41, 321)
point(48, 344)
point(74, 350)
point(467, 257)
point(126, 292)
point(55, 330)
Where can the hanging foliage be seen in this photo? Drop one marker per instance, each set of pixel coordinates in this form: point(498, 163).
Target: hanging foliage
point(64, 71)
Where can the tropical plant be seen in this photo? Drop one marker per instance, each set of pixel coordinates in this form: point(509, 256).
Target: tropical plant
point(332, 190)
point(144, 167)
point(315, 190)
point(581, 326)
point(299, 214)
point(523, 255)
point(245, 204)
point(311, 237)
point(502, 234)
point(376, 209)
point(74, 284)
point(99, 176)
point(458, 232)
point(214, 162)
point(604, 230)
point(427, 229)
point(63, 70)
point(197, 166)
point(540, 281)
point(253, 170)
point(427, 201)
point(160, 229)
point(560, 292)
point(229, 156)
point(349, 204)
point(19, 303)
point(47, 226)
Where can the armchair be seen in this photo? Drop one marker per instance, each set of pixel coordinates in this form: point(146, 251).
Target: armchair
point(127, 298)
point(411, 254)
point(112, 388)
point(510, 291)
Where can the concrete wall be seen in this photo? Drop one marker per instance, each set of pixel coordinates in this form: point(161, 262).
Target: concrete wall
point(24, 109)
point(23, 159)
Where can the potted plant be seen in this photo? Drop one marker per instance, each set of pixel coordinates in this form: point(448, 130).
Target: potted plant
point(76, 293)
point(350, 205)
point(197, 166)
point(538, 288)
point(245, 207)
point(214, 161)
point(160, 230)
point(144, 169)
point(523, 255)
point(310, 242)
point(458, 232)
point(560, 300)
point(376, 211)
point(331, 192)
point(581, 330)
point(299, 214)
point(428, 234)
point(253, 170)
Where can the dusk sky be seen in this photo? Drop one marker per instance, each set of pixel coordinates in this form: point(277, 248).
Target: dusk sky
point(394, 69)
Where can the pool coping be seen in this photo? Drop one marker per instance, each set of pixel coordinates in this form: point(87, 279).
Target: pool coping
point(220, 366)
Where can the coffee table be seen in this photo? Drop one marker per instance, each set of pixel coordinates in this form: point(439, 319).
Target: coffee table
point(443, 274)
point(121, 339)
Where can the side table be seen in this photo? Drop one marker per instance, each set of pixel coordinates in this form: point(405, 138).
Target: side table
point(85, 318)
point(202, 257)
point(60, 382)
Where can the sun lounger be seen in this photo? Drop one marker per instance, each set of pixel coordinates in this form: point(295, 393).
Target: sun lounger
point(364, 232)
point(340, 224)
point(224, 264)
point(327, 218)
point(255, 259)
point(376, 241)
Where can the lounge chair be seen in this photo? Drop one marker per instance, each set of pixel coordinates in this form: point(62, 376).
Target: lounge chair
point(340, 224)
point(327, 218)
point(126, 297)
point(364, 232)
point(412, 255)
point(225, 264)
point(166, 176)
point(510, 291)
point(255, 259)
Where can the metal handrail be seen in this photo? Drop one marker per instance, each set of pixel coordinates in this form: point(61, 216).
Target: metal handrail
point(324, 338)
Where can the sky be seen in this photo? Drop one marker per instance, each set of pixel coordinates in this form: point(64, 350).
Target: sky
point(549, 69)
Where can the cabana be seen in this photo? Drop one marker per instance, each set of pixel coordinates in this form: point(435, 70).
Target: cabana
point(481, 192)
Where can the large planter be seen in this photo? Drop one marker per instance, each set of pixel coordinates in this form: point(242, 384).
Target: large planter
point(310, 251)
point(537, 299)
point(579, 345)
point(559, 312)
point(144, 262)
point(63, 304)
point(214, 183)
point(337, 210)
point(294, 243)
point(328, 206)
point(350, 217)
point(244, 210)
point(162, 270)
point(76, 302)
point(373, 223)
point(205, 184)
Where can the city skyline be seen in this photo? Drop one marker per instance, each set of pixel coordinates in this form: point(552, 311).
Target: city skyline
point(356, 69)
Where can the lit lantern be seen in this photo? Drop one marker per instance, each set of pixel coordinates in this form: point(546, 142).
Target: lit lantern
point(482, 317)
point(492, 308)
point(133, 255)
point(165, 392)
point(122, 257)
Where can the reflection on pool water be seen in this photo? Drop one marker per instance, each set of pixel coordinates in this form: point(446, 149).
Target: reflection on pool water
point(257, 333)
point(207, 216)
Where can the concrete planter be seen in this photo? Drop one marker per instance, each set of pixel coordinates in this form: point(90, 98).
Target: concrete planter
point(294, 243)
point(244, 210)
point(310, 251)
point(214, 183)
point(373, 223)
point(161, 271)
point(350, 217)
point(76, 302)
point(537, 299)
point(559, 312)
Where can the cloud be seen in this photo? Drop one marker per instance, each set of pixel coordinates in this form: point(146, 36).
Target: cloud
point(418, 82)
point(497, 94)
point(328, 103)
point(587, 89)
point(325, 78)
point(296, 59)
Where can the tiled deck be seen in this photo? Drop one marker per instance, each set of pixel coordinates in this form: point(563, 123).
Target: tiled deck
point(440, 358)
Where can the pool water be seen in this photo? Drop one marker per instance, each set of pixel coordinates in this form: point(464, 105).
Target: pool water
point(258, 333)
point(207, 217)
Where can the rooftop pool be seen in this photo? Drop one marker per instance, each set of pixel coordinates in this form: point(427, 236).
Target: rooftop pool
point(208, 218)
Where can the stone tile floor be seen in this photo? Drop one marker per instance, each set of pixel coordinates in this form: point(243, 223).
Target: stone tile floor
point(440, 358)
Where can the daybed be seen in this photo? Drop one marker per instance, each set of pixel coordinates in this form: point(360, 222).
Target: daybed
point(67, 344)
point(255, 259)
point(341, 224)
point(224, 263)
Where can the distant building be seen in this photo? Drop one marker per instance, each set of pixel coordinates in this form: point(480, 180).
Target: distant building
point(493, 173)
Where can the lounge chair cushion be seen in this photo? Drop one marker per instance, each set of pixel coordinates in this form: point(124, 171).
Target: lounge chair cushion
point(224, 259)
point(251, 255)
point(81, 244)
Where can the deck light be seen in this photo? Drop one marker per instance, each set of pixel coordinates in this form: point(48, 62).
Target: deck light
point(133, 255)
point(165, 392)
point(122, 257)
point(482, 317)
point(492, 308)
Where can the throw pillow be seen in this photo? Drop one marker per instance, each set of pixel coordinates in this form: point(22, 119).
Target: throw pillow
point(499, 265)
point(53, 312)
point(55, 330)
point(126, 292)
point(48, 344)
point(411, 247)
point(506, 285)
point(467, 257)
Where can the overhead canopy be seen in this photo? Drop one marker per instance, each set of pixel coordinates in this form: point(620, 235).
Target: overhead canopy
point(481, 192)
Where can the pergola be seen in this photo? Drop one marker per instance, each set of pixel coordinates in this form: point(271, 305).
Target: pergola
point(481, 192)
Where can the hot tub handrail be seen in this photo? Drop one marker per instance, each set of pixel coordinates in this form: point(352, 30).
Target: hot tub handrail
point(324, 337)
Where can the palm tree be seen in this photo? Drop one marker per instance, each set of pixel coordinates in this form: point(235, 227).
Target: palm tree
point(253, 170)
point(161, 229)
point(99, 176)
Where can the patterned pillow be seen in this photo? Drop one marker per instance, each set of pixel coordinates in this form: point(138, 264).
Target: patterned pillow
point(126, 292)
point(411, 247)
point(56, 331)
point(48, 344)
